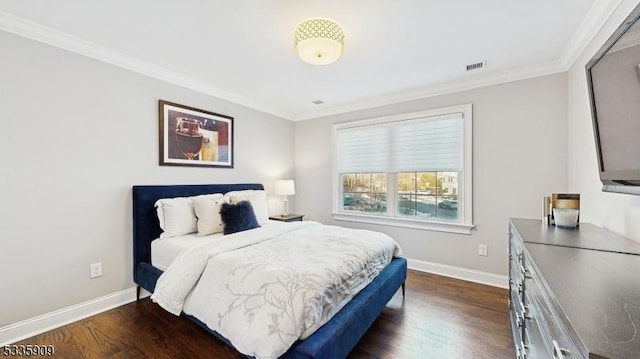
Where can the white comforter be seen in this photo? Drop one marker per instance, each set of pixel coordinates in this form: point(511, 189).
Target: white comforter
point(265, 288)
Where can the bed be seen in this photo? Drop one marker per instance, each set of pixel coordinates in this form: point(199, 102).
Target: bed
point(335, 339)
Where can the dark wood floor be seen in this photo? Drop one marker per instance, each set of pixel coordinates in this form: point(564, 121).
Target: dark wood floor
point(440, 318)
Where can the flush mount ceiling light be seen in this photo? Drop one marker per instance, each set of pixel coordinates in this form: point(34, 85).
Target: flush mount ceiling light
point(319, 41)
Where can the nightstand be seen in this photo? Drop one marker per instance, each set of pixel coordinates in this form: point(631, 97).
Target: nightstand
point(290, 218)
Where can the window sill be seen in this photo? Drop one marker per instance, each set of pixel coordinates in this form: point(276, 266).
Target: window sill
point(458, 228)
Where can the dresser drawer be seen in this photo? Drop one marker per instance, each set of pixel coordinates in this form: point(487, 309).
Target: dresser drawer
point(515, 246)
point(515, 308)
point(516, 331)
point(516, 281)
point(532, 338)
point(545, 317)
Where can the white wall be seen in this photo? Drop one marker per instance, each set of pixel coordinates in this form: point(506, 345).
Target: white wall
point(75, 135)
point(519, 154)
point(617, 212)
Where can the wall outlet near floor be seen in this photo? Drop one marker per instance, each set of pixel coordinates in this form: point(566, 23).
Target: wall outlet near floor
point(95, 270)
point(482, 250)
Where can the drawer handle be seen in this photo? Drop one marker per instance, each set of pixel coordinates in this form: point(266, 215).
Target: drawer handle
point(523, 351)
point(518, 320)
point(558, 353)
point(524, 313)
point(525, 272)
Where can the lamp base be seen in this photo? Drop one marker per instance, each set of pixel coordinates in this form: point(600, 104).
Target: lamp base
point(285, 212)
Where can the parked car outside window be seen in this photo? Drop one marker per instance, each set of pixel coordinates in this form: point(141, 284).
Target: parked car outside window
point(448, 204)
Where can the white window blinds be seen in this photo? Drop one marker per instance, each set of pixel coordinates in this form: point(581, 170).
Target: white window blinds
point(363, 149)
point(418, 145)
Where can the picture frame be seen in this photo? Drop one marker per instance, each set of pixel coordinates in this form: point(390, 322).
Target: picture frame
point(193, 137)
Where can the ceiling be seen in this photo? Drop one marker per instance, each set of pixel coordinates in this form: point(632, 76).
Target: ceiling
point(242, 50)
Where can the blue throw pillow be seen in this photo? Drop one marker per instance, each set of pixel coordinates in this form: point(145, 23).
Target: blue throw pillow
point(238, 217)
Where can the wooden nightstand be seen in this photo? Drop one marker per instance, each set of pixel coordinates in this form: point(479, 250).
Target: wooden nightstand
point(290, 218)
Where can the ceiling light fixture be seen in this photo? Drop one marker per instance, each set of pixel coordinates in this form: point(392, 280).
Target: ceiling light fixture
point(319, 41)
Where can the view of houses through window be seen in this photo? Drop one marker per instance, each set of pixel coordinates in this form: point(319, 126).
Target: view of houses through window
point(423, 195)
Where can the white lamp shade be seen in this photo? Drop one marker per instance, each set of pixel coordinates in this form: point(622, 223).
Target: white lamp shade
point(319, 41)
point(285, 188)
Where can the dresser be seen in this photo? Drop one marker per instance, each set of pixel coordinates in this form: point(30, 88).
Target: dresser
point(573, 293)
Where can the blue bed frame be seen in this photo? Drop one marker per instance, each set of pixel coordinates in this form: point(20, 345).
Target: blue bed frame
point(333, 340)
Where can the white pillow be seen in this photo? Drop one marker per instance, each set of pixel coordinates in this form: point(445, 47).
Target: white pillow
point(176, 216)
point(207, 209)
point(258, 199)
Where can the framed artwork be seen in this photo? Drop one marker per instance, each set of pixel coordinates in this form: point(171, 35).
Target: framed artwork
point(194, 137)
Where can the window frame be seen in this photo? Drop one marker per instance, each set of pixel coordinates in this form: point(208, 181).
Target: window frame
point(465, 179)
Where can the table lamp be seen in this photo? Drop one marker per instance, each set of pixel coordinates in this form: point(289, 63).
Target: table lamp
point(285, 188)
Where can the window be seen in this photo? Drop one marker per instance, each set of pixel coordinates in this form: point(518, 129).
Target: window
point(364, 192)
point(412, 170)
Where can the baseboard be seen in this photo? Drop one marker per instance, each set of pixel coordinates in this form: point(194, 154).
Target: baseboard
point(471, 275)
point(27, 328)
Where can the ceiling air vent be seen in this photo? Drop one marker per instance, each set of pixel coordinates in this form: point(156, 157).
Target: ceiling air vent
point(477, 66)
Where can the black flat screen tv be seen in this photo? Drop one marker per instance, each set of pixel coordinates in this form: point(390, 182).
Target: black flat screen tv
point(613, 79)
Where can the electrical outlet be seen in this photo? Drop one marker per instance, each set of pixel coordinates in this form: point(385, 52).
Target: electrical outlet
point(95, 270)
point(482, 250)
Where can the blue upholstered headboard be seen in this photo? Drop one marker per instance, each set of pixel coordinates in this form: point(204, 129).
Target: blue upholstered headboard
point(146, 227)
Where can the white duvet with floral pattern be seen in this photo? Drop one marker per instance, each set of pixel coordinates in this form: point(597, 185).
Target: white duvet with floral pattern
point(265, 288)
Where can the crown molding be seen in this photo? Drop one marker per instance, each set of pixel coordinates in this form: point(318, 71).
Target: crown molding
point(600, 12)
point(597, 16)
point(462, 84)
point(34, 31)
